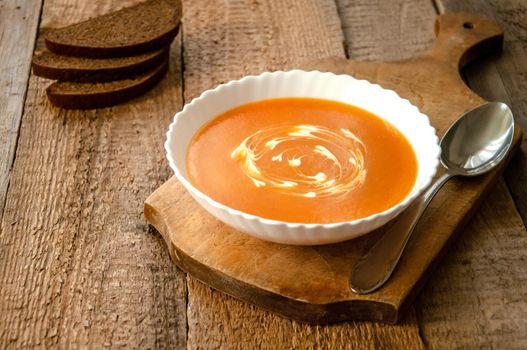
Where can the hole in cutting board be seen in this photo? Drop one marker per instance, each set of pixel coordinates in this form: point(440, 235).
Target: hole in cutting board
point(468, 25)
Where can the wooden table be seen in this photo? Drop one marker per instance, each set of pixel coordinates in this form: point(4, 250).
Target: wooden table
point(79, 266)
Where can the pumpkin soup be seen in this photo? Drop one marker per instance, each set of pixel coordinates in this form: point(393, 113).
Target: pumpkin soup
point(302, 160)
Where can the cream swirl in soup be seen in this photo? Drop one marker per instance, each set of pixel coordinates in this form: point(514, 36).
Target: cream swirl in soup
point(276, 157)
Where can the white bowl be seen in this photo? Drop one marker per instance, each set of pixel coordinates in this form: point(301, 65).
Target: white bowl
point(386, 104)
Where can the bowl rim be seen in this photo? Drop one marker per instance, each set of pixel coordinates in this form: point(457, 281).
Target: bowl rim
point(273, 222)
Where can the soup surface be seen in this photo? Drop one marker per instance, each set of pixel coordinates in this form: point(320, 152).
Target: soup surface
point(302, 160)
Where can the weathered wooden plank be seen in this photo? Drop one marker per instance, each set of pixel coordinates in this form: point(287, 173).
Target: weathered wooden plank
point(18, 30)
point(477, 297)
point(217, 321)
point(224, 41)
point(79, 267)
point(505, 78)
point(386, 30)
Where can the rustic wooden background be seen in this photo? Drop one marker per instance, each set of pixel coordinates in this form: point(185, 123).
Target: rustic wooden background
point(79, 267)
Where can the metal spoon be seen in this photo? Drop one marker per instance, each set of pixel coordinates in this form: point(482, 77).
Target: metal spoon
point(473, 145)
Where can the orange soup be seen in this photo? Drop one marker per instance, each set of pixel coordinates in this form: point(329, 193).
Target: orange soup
point(302, 160)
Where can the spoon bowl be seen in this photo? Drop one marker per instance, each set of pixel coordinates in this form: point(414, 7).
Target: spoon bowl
point(473, 145)
point(479, 140)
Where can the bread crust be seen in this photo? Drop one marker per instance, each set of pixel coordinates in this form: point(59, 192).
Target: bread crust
point(94, 70)
point(99, 95)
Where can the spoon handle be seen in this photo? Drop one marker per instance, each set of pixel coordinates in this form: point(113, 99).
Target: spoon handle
point(375, 267)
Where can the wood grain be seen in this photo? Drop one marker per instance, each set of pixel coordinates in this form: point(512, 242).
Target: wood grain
point(217, 321)
point(18, 24)
point(386, 30)
point(477, 298)
point(225, 41)
point(79, 267)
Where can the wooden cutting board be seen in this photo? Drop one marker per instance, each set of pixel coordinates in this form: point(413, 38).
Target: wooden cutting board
point(311, 283)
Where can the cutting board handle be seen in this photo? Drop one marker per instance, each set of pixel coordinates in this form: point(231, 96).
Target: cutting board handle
point(463, 37)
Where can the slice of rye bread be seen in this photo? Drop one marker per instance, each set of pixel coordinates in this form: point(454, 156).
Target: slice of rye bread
point(73, 95)
point(147, 26)
point(67, 68)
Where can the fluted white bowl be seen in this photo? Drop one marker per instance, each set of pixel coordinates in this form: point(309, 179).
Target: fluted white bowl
point(384, 103)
